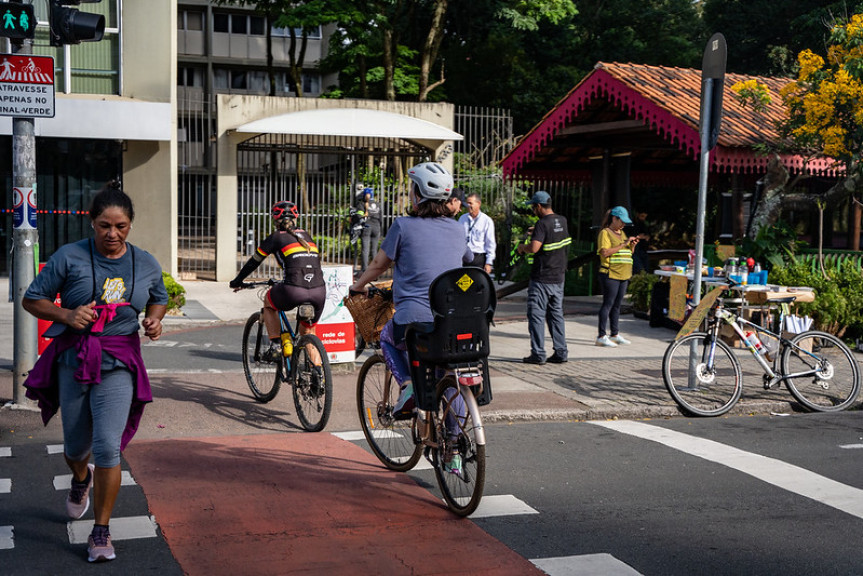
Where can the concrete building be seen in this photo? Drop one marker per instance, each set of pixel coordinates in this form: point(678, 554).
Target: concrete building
point(115, 115)
point(163, 102)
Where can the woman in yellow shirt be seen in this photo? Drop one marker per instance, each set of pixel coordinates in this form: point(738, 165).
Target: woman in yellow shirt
point(615, 270)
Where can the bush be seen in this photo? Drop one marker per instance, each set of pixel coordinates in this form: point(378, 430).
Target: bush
point(640, 289)
point(838, 305)
point(176, 293)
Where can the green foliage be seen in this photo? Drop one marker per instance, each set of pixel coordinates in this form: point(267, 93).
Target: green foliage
point(838, 305)
point(759, 30)
point(640, 289)
point(176, 293)
point(772, 246)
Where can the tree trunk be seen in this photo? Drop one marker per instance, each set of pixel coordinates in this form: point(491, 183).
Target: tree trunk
point(770, 204)
point(389, 66)
point(431, 47)
point(271, 73)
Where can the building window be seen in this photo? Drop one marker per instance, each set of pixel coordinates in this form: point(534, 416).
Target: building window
point(227, 80)
point(239, 80)
point(259, 82)
point(221, 22)
point(257, 25)
point(190, 20)
point(311, 83)
point(220, 79)
point(189, 76)
point(314, 33)
point(91, 67)
point(239, 24)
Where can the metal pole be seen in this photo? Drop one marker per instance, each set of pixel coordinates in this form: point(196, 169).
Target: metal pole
point(25, 238)
point(706, 104)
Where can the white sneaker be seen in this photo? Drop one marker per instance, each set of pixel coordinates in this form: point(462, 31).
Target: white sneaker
point(605, 341)
point(620, 340)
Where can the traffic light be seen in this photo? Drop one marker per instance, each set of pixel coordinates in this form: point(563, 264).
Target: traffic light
point(70, 26)
point(17, 21)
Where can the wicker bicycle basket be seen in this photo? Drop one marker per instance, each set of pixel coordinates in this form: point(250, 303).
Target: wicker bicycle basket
point(370, 314)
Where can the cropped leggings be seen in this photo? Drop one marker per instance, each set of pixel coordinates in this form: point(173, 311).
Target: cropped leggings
point(94, 415)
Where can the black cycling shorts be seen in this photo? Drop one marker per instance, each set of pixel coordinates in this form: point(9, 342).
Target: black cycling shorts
point(287, 297)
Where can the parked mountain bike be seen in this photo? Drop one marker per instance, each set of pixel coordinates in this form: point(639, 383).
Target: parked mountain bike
point(450, 378)
point(704, 377)
point(312, 386)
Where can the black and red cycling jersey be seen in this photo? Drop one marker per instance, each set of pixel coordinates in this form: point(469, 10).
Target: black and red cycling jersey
point(302, 265)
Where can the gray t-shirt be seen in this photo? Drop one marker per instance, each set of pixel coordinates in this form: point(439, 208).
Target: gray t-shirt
point(422, 249)
point(71, 272)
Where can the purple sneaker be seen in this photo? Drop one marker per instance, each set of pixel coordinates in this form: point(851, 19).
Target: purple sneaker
point(78, 500)
point(99, 547)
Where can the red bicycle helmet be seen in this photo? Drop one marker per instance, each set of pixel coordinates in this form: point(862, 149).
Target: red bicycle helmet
point(284, 209)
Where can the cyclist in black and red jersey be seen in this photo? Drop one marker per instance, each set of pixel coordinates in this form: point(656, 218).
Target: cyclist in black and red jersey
point(298, 255)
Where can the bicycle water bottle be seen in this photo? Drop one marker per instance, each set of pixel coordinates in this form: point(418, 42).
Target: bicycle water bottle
point(287, 344)
point(753, 341)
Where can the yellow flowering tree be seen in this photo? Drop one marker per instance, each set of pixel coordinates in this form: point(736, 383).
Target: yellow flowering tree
point(824, 119)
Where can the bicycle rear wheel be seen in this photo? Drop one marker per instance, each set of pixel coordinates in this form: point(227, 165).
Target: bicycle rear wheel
point(699, 389)
point(833, 381)
point(312, 385)
point(263, 378)
point(456, 435)
point(391, 441)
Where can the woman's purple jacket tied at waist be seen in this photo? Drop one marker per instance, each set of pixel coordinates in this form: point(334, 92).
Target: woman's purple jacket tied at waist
point(42, 385)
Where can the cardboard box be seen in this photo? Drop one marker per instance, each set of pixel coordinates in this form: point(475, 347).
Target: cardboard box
point(729, 336)
point(763, 296)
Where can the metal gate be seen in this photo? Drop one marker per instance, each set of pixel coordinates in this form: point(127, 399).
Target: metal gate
point(322, 180)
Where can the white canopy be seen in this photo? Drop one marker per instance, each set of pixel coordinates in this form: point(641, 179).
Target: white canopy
point(353, 122)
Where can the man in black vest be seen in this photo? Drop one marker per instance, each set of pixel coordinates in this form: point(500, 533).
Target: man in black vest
point(549, 242)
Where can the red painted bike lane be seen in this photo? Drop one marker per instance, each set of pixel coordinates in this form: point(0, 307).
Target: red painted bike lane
point(303, 504)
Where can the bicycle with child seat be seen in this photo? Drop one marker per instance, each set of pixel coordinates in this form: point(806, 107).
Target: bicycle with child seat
point(311, 384)
point(703, 374)
point(447, 423)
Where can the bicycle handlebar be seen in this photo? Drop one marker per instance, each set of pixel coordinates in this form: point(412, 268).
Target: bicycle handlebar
point(248, 285)
point(372, 291)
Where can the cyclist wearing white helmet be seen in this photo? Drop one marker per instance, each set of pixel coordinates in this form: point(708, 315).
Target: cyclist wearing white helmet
point(297, 254)
point(422, 245)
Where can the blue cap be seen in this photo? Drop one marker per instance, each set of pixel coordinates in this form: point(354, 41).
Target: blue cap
point(369, 190)
point(540, 198)
point(621, 213)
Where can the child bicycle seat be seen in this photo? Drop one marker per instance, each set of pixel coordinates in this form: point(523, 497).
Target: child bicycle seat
point(462, 302)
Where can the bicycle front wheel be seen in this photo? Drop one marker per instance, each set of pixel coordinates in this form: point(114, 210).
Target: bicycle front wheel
point(701, 387)
point(392, 441)
point(312, 385)
point(829, 378)
point(459, 459)
point(263, 377)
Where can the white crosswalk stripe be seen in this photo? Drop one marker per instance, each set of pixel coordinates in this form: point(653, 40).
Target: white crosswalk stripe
point(5, 485)
point(7, 541)
point(64, 481)
point(585, 565)
point(5, 451)
point(787, 476)
point(502, 505)
point(128, 528)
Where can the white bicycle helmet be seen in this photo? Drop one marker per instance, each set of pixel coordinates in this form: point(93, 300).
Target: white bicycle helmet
point(433, 181)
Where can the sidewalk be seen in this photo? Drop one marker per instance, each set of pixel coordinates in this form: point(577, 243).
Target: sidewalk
point(597, 383)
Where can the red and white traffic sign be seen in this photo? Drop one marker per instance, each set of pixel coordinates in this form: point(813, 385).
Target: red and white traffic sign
point(26, 86)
